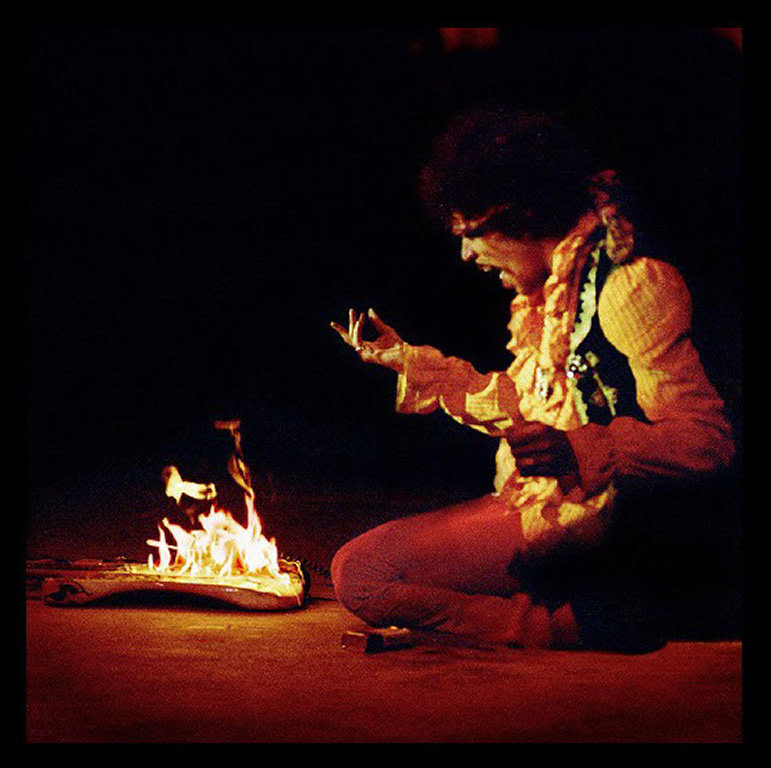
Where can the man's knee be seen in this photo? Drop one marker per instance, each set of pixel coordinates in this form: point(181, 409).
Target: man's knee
point(361, 567)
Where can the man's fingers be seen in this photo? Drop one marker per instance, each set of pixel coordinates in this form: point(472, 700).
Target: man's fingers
point(350, 339)
point(534, 457)
point(529, 444)
point(528, 433)
point(343, 333)
point(533, 470)
point(538, 464)
point(354, 328)
point(353, 335)
point(359, 325)
point(378, 323)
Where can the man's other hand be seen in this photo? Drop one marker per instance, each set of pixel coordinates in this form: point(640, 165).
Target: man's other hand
point(541, 450)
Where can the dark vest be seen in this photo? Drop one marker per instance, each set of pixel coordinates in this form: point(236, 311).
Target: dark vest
point(604, 377)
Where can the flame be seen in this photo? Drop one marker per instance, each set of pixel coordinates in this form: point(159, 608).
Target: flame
point(221, 549)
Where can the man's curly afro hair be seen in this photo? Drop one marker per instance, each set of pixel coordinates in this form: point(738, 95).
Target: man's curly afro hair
point(496, 155)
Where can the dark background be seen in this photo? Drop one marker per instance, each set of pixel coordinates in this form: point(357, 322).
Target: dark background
point(201, 201)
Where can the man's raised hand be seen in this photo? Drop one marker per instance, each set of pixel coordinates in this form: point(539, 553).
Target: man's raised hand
point(386, 350)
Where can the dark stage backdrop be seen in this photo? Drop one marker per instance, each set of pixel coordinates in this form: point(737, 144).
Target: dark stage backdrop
point(201, 202)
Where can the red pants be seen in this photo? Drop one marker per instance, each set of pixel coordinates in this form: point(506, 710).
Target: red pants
point(448, 571)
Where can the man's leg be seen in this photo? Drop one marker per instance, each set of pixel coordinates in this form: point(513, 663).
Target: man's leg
point(448, 571)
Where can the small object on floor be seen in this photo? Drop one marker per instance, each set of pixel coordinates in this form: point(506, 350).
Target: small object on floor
point(371, 640)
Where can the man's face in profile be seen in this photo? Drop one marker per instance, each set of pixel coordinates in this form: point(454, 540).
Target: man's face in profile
point(523, 264)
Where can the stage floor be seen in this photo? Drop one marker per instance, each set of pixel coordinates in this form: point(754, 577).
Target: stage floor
point(191, 674)
point(185, 673)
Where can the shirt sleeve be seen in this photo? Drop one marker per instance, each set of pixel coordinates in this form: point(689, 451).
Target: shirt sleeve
point(431, 381)
point(645, 312)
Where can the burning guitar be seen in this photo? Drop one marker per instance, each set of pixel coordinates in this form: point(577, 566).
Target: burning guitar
point(222, 559)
